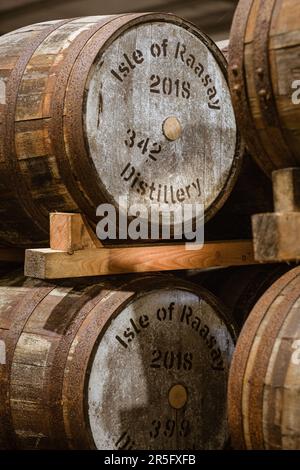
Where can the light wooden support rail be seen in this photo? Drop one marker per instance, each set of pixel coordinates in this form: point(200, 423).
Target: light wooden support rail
point(76, 252)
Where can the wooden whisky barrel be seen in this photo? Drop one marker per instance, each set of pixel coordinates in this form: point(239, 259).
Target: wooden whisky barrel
point(240, 287)
point(118, 364)
point(264, 383)
point(93, 109)
point(263, 72)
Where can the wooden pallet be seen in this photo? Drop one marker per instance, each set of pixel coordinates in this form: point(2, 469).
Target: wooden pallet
point(75, 251)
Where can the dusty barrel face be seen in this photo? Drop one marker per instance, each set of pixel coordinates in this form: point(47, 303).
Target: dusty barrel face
point(264, 77)
point(264, 382)
point(128, 365)
point(94, 109)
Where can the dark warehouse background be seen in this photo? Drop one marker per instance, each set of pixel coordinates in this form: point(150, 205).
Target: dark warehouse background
point(212, 16)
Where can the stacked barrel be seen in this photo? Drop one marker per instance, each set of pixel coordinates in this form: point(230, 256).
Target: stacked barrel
point(96, 109)
point(115, 364)
point(264, 383)
point(264, 74)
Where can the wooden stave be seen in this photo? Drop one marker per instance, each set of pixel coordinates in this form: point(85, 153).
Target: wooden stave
point(78, 171)
point(42, 218)
point(285, 378)
point(250, 415)
point(266, 129)
point(7, 183)
point(63, 387)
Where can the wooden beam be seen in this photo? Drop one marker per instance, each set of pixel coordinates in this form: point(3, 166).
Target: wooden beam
point(55, 264)
point(71, 232)
point(276, 234)
point(276, 237)
point(286, 190)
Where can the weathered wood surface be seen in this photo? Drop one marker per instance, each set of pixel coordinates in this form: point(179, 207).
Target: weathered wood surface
point(71, 232)
point(45, 263)
point(286, 190)
point(276, 234)
point(122, 364)
point(264, 73)
point(264, 377)
point(239, 287)
point(82, 108)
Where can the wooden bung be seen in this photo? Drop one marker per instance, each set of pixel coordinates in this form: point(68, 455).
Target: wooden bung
point(97, 108)
point(264, 381)
point(263, 69)
point(123, 363)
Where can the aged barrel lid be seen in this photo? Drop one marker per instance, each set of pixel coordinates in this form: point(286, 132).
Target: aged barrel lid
point(158, 375)
point(158, 118)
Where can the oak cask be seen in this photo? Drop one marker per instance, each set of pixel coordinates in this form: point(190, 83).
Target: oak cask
point(125, 363)
point(264, 381)
point(264, 64)
point(94, 109)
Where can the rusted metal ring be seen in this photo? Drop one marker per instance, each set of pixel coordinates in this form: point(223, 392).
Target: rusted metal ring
point(261, 362)
point(237, 80)
point(17, 183)
point(21, 316)
point(241, 355)
point(57, 122)
point(263, 81)
point(75, 96)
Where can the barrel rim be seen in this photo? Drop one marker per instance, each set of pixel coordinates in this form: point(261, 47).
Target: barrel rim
point(78, 122)
point(123, 296)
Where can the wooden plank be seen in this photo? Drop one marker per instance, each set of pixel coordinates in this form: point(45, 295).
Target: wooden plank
point(286, 190)
point(54, 264)
point(70, 232)
point(276, 237)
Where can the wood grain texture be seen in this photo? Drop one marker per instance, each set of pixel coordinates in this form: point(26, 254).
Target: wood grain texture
point(264, 64)
point(70, 232)
point(81, 120)
point(286, 190)
point(276, 235)
point(264, 378)
point(53, 264)
point(89, 365)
